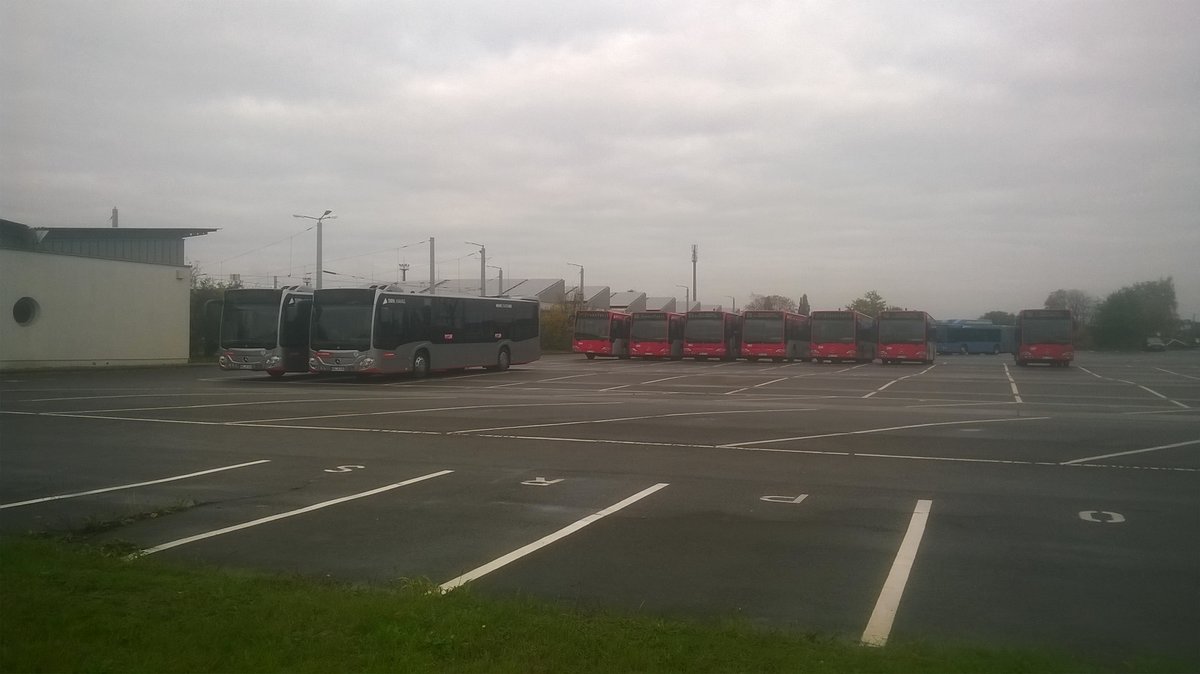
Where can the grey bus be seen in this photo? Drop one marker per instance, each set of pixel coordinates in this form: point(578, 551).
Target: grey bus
point(265, 330)
point(379, 330)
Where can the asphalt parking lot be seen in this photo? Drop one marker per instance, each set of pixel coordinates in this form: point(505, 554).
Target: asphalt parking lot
point(967, 501)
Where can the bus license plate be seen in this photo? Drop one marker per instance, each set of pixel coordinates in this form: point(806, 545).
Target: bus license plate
point(337, 369)
point(245, 366)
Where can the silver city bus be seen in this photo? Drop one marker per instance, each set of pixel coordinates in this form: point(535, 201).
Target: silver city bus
point(265, 330)
point(378, 330)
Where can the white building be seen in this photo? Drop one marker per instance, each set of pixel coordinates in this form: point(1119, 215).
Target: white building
point(93, 297)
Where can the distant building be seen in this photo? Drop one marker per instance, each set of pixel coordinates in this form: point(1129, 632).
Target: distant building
point(594, 297)
point(628, 302)
point(660, 304)
point(93, 297)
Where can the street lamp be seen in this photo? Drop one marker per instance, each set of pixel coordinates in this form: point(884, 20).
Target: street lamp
point(327, 215)
point(500, 287)
point(687, 298)
point(482, 267)
point(579, 295)
point(733, 305)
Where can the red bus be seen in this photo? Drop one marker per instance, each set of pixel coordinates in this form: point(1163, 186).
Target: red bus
point(657, 334)
point(777, 335)
point(906, 335)
point(842, 335)
point(601, 333)
point(1045, 336)
point(712, 334)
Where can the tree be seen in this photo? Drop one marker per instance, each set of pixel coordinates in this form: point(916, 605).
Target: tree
point(770, 303)
point(1081, 304)
point(1000, 317)
point(870, 304)
point(802, 306)
point(205, 317)
point(1129, 315)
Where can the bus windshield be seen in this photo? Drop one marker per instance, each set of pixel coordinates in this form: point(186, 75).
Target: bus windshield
point(902, 331)
point(649, 329)
point(762, 329)
point(592, 326)
point(838, 328)
point(250, 320)
point(341, 319)
point(1048, 330)
point(708, 329)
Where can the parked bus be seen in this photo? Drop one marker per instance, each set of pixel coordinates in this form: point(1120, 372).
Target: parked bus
point(1045, 336)
point(975, 336)
point(377, 330)
point(657, 334)
point(906, 335)
point(842, 335)
point(601, 332)
point(778, 335)
point(712, 334)
point(265, 330)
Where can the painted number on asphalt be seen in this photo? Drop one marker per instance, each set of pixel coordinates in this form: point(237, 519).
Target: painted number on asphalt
point(344, 469)
point(1103, 516)
point(541, 482)
point(784, 499)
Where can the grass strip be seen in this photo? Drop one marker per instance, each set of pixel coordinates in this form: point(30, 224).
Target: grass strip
point(67, 608)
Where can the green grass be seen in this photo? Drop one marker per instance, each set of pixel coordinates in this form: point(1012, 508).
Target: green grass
point(67, 607)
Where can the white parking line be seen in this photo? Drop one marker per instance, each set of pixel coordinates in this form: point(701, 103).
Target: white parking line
point(655, 381)
point(879, 627)
point(765, 383)
point(1132, 451)
point(648, 416)
point(253, 403)
point(290, 513)
point(398, 412)
point(132, 486)
point(547, 540)
point(1153, 392)
point(915, 374)
point(1012, 383)
point(879, 430)
point(1179, 374)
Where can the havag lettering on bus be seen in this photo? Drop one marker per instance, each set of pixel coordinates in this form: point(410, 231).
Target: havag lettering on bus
point(380, 331)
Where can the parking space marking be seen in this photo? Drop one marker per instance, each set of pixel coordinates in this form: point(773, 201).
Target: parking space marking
point(252, 403)
point(879, 430)
point(547, 540)
point(915, 374)
point(1012, 383)
point(291, 513)
point(765, 383)
point(1144, 388)
point(879, 627)
point(1178, 374)
point(655, 381)
point(638, 418)
point(1156, 393)
point(1132, 451)
point(397, 412)
point(131, 486)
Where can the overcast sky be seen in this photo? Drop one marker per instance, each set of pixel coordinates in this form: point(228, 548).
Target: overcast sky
point(957, 157)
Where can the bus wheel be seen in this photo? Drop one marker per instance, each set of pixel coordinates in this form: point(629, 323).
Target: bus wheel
point(591, 356)
point(420, 367)
point(503, 360)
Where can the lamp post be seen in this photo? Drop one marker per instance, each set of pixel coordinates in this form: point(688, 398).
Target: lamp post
point(327, 215)
point(733, 300)
point(482, 267)
point(579, 295)
point(687, 298)
point(500, 287)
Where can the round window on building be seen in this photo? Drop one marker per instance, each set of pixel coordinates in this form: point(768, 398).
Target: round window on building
point(25, 311)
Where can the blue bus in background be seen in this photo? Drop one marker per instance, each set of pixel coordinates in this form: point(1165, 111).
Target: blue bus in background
point(975, 336)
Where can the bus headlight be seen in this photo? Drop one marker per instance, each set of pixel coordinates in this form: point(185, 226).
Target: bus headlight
point(366, 363)
point(272, 361)
point(312, 363)
point(223, 361)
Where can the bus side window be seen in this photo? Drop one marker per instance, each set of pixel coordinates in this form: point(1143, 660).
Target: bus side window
point(388, 325)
